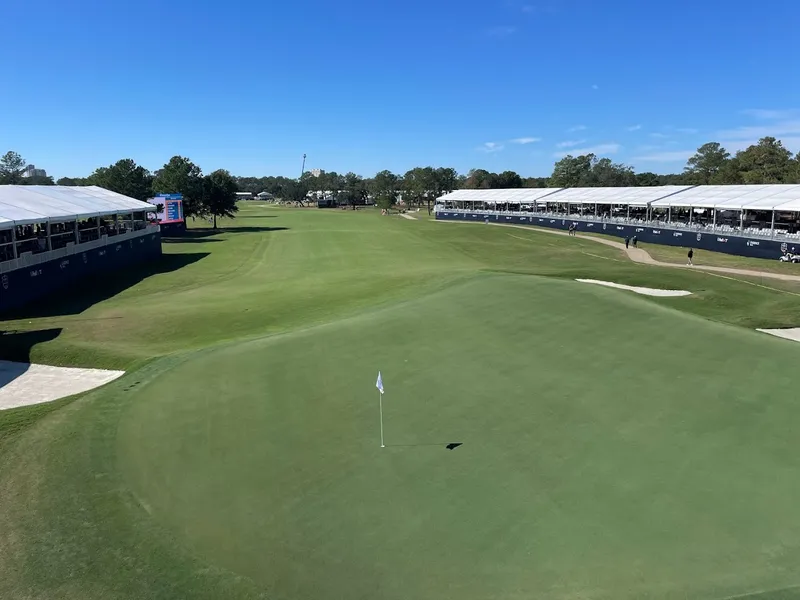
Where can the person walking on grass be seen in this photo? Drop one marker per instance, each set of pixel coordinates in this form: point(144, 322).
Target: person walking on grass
point(690, 255)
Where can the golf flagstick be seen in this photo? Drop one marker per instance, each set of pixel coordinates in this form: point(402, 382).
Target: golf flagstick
point(379, 385)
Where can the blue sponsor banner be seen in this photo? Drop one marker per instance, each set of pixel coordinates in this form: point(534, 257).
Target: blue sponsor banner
point(686, 238)
point(170, 196)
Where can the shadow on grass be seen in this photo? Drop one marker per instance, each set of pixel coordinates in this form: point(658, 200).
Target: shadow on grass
point(208, 234)
point(16, 346)
point(85, 293)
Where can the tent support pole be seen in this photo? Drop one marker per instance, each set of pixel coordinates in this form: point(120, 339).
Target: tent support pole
point(772, 232)
point(714, 227)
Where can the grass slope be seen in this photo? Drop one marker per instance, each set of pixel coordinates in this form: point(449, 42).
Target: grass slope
point(614, 446)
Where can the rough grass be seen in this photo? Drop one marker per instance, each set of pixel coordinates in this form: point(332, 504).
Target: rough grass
point(613, 446)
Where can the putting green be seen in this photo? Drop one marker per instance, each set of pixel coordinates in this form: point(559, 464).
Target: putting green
point(612, 447)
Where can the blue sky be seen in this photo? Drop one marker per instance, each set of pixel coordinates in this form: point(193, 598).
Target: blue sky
point(363, 85)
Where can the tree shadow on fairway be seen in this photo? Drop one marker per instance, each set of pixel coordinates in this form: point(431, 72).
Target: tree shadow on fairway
point(16, 346)
point(195, 236)
point(250, 229)
point(81, 294)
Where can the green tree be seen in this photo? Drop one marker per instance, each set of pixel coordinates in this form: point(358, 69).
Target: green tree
point(572, 171)
point(647, 179)
point(766, 162)
point(293, 190)
point(729, 174)
point(440, 181)
point(71, 181)
point(37, 180)
point(124, 177)
point(414, 186)
point(384, 187)
point(605, 173)
point(796, 169)
point(509, 179)
point(354, 190)
point(219, 195)
point(706, 163)
point(480, 179)
point(11, 167)
point(181, 176)
point(536, 182)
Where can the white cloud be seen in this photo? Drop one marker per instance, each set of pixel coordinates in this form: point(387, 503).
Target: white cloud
point(779, 129)
point(570, 143)
point(600, 149)
point(577, 128)
point(491, 147)
point(525, 140)
point(660, 136)
point(634, 128)
point(595, 87)
point(687, 130)
point(501, 31)
point(670, 156)
point(770, 114)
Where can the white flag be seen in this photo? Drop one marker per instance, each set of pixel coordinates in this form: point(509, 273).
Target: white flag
point(379, 383)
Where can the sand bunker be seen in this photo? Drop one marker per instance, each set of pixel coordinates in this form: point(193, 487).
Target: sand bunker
point(409, 217)
point(22, 384)
point(787, 334)
point(639, 290)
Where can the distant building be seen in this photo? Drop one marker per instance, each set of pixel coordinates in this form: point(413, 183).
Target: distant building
point(244, 195)
point(316, 172)
point(32, 171)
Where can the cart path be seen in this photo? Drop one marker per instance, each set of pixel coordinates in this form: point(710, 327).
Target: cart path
point(638, 255)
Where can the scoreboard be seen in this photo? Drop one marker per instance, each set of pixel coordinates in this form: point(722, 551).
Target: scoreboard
point(173, 208)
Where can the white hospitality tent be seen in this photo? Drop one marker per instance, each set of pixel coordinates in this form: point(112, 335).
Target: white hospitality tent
point(40, 218)
point(740, 198)
point(471, 199)
point(26, 204)
point(630, 196)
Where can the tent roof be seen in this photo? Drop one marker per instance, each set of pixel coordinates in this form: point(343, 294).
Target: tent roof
point(783, 197)
point(737, 197)
point(635, 196)
point(631, 196)
point(24, 204)
point(512, 196)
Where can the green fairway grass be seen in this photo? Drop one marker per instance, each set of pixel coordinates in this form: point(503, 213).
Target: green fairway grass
point(613, 445)
point(674, 254)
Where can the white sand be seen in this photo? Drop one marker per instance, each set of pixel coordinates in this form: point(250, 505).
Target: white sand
point(22, 384)
point(787, 334)
point(639, 290)
point(409, 217)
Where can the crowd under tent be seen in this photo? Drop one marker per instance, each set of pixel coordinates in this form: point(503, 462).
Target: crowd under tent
point(764, 209)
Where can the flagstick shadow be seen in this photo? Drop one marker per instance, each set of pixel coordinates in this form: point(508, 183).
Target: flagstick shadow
point(449, 446)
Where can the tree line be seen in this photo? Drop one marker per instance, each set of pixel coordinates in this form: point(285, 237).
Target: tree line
point(214, 195)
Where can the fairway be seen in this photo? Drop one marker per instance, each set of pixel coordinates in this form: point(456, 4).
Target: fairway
point(612, 445)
